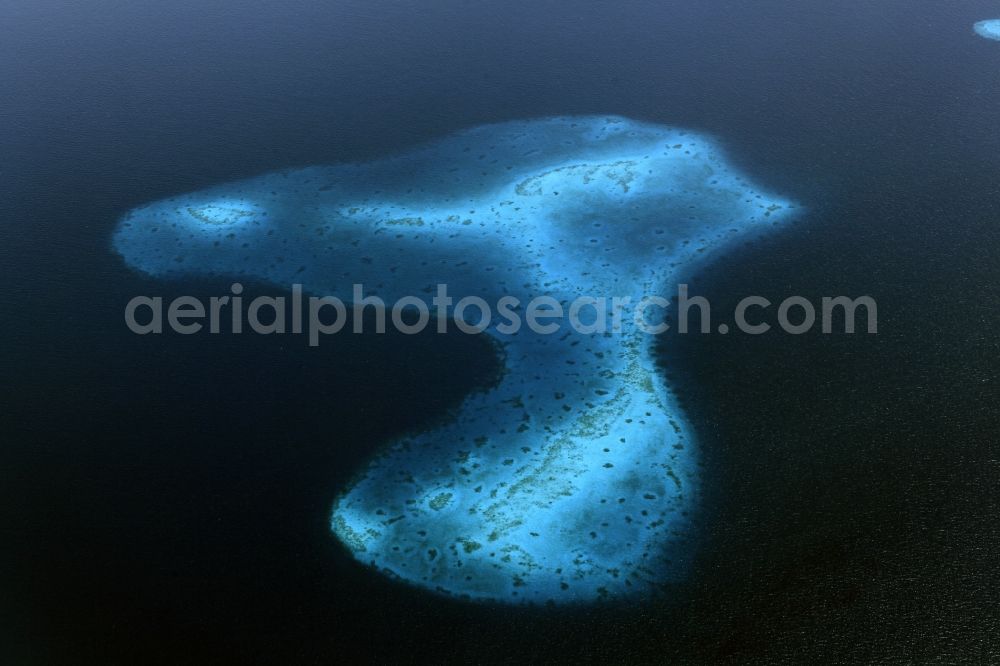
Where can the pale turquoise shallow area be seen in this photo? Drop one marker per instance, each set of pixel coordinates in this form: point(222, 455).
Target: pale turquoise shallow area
point(576, 477)
point(988, 29)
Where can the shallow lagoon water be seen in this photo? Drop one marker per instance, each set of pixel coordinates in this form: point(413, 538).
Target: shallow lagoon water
point(574, 479)
point(989, 29)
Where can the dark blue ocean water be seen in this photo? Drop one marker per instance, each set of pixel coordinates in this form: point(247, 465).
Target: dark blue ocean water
point(166, 500)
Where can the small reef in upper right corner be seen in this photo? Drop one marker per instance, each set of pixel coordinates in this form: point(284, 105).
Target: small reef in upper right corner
point(989, 29)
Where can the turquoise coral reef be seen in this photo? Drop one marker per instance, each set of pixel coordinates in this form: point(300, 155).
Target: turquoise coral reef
point(576, 477)
point(989, 29)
